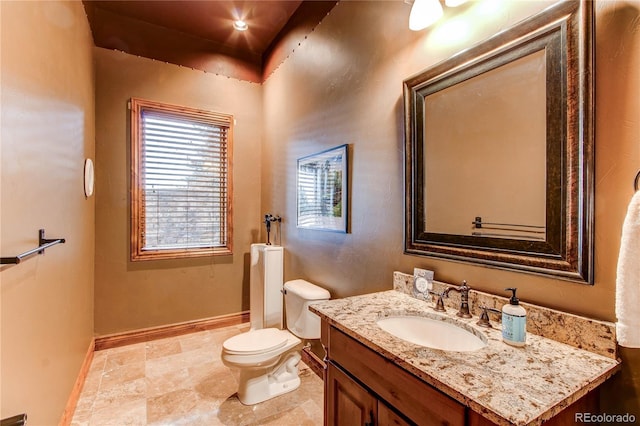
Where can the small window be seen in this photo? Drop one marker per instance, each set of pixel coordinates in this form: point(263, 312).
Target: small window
point(180, 182)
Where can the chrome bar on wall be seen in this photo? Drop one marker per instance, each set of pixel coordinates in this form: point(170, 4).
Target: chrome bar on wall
point(478, 223)
point(508, 230)
point(636, 182)
point(43, 244)
point(518, 236)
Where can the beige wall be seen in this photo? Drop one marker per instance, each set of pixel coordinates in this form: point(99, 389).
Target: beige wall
point(47, 132)
point(133, 295)
point(344, 85)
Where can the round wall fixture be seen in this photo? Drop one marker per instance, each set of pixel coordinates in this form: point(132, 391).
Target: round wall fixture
point(88, 177)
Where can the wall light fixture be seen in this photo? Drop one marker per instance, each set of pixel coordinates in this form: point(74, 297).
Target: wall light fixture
point(426, 12)
point(454, 3)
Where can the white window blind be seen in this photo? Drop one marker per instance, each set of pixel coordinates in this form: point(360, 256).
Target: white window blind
point(183, 181)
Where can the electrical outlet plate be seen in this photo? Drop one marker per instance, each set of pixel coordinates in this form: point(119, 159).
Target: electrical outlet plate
point(422, 282)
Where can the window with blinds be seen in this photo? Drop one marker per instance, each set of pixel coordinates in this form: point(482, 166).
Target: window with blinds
point(181, 181)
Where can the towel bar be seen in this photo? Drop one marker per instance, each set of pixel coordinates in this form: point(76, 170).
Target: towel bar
point(19, 420)
point(43, 244)
point(478, 223)
point(636, 181)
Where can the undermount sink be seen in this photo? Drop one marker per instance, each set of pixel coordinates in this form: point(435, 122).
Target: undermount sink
point(432, 333)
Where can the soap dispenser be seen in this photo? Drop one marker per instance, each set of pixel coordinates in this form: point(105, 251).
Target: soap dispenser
point(514, 321)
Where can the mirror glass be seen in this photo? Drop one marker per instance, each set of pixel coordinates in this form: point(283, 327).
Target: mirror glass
point(499, 143)
point(490, 145)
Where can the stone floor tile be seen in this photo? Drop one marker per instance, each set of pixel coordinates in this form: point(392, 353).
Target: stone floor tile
point(161, 348)
point(115, 396)
point(182, 381)
point(119, 376)
point(118, 359)
point(130, 413)
point(169, 381)
point(169, 406)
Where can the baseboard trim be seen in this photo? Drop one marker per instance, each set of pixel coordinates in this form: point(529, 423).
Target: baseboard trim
point(316, 365)
point(72, 402)
point(154, 333)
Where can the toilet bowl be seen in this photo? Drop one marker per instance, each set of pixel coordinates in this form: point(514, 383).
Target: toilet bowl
point(268, 371)
point(268, 358)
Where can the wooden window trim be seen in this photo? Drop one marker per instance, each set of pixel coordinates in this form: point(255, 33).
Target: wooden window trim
point(136, 189)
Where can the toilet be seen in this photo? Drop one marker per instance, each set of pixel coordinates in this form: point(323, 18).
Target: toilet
point(267, 355)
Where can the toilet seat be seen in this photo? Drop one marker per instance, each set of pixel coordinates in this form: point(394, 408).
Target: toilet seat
point(256, 342)
point(253, 358)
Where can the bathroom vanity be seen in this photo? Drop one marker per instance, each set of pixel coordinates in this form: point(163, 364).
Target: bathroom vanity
point(375, 378)
point(363, 387)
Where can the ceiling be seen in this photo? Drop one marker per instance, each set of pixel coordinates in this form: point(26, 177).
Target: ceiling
point(199, 34)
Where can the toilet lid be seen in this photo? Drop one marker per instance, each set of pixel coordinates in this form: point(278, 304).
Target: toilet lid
point(256, 341)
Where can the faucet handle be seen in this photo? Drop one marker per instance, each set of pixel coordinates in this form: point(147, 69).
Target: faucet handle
point(484, 316)
point(439, 302)
point(463, 312)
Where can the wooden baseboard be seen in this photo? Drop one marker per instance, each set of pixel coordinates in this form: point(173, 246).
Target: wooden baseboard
point(154, 333)
point(314, 362)
point(67, 415)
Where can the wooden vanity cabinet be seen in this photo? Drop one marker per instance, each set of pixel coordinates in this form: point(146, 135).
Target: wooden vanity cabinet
point(364, 388)
point(361, 387)
point(349, 403)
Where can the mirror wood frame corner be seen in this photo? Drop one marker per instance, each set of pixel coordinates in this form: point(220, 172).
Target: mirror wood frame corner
point(564, 34)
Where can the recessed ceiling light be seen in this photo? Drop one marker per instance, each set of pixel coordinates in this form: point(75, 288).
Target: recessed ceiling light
point(240, 25)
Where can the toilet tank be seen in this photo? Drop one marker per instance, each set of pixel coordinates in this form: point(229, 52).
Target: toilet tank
point(298, 296)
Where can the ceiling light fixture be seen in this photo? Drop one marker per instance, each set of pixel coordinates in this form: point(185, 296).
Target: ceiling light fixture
point(240, 25)
point(424, 13)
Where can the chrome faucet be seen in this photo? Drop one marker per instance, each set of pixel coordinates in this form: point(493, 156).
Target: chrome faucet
point(464, 298)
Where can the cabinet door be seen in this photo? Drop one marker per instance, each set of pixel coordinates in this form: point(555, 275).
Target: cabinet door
point(415, 399)
point(388, 417)
point(348, 403)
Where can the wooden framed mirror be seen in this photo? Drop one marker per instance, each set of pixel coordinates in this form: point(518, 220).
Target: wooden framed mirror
point(499, 149)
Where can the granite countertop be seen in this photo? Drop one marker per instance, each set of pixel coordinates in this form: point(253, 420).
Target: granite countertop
point(505, 384)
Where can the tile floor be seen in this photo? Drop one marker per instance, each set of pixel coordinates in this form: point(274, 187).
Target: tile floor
point(181, 381)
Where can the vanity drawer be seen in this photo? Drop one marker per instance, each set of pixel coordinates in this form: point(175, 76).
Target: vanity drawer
point(414, 398)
